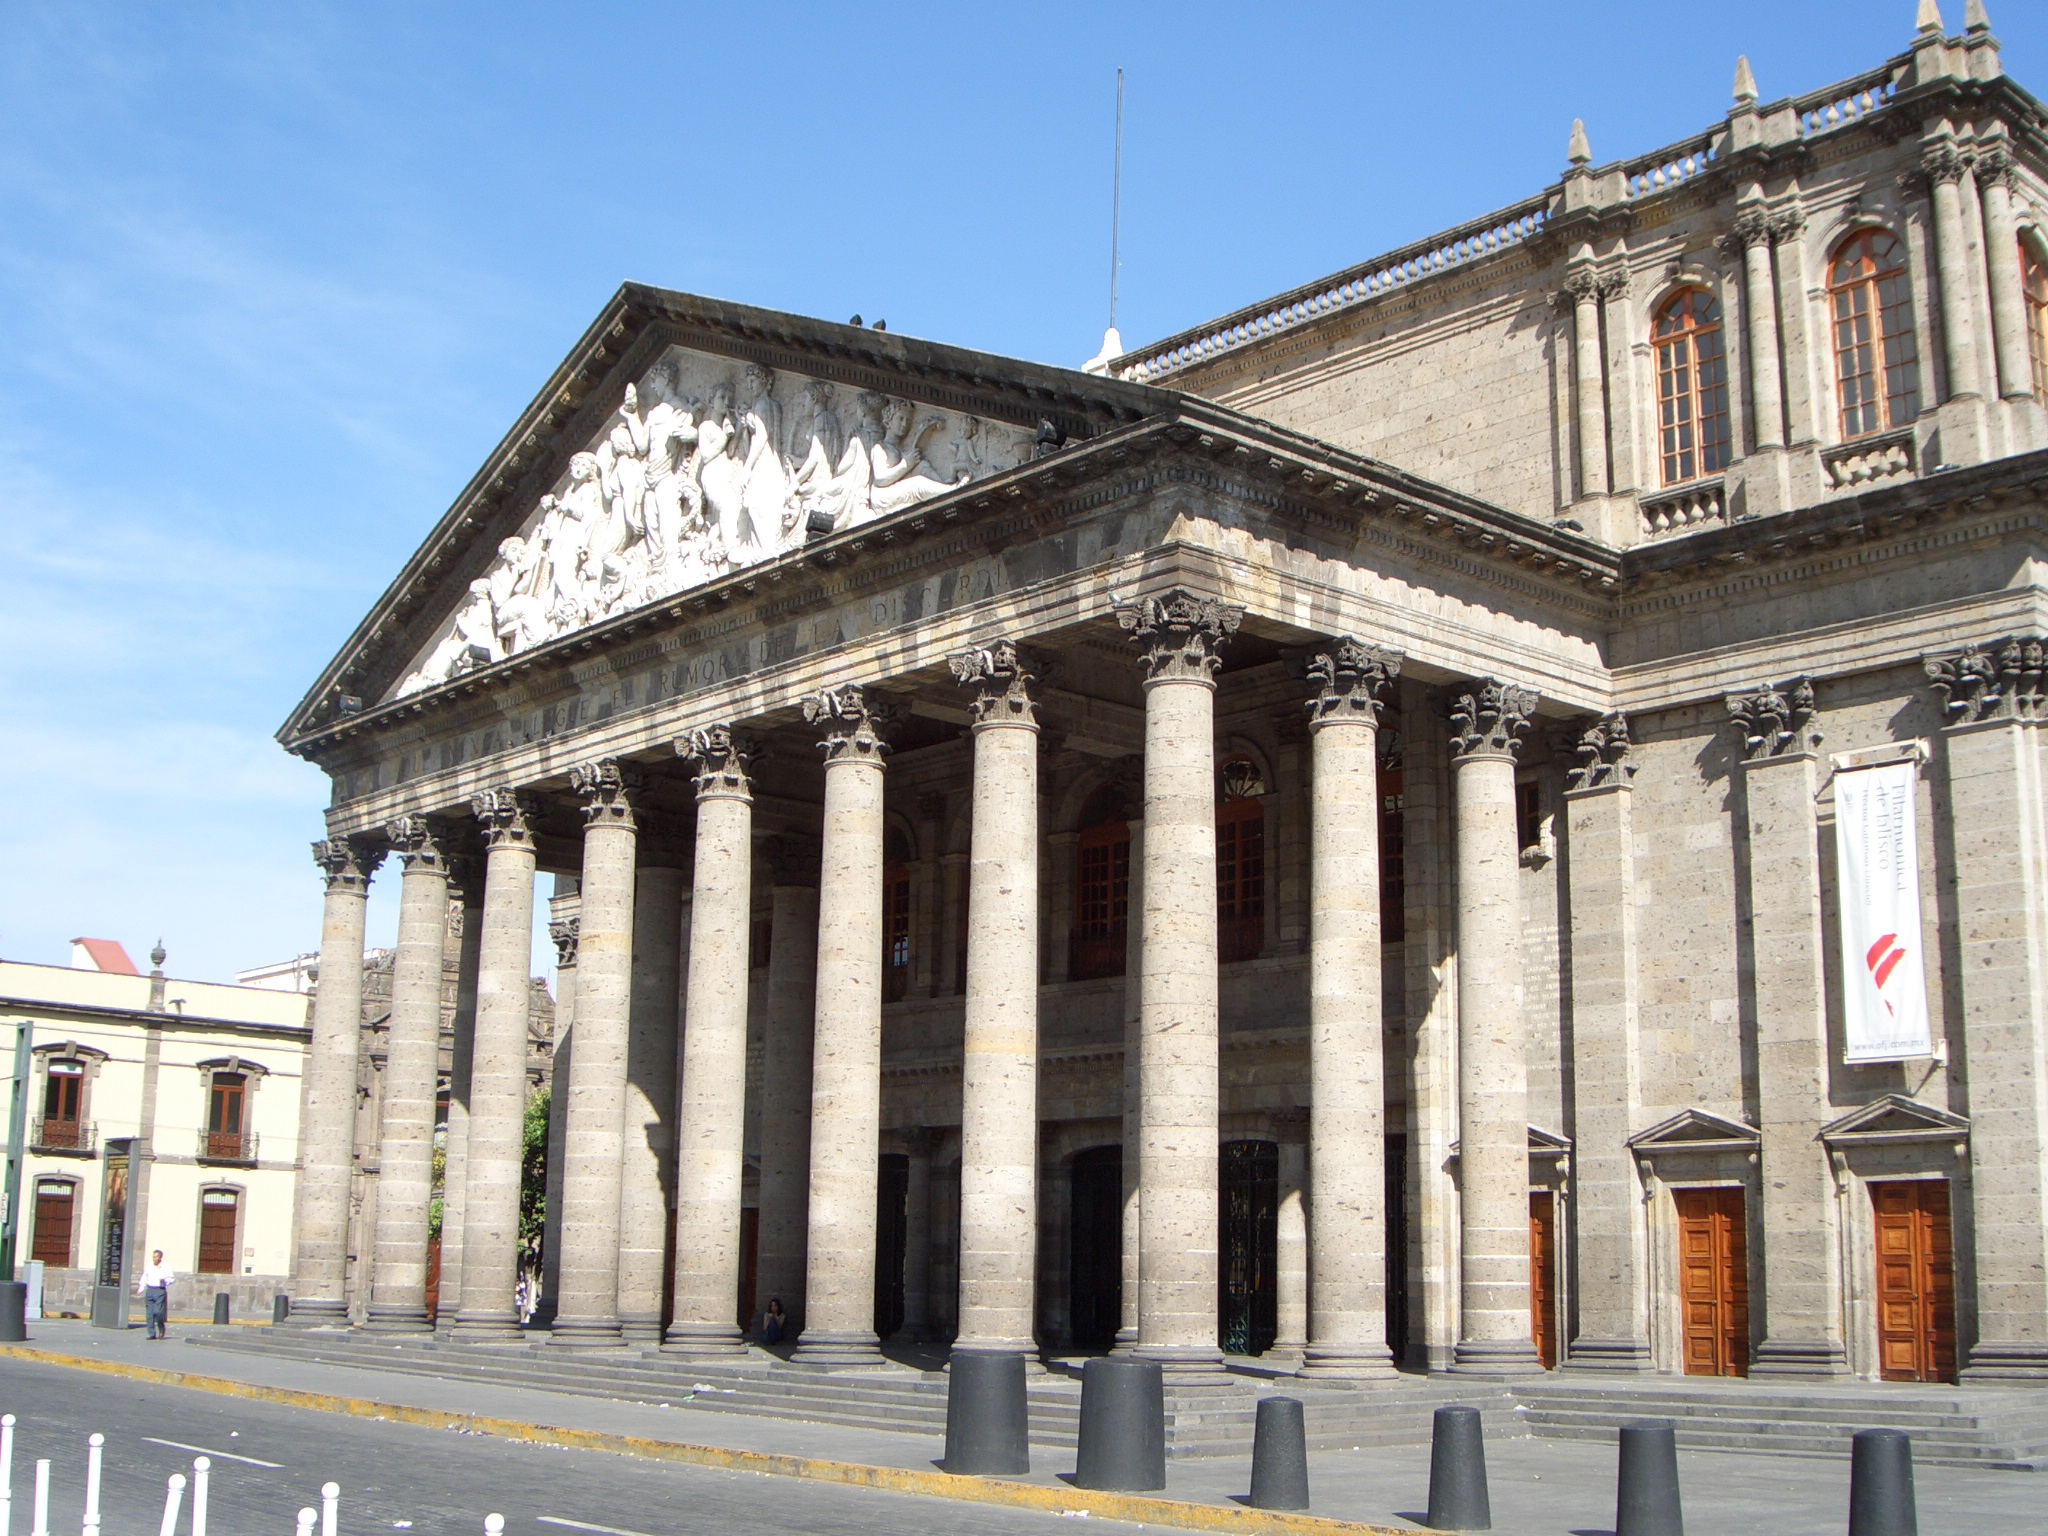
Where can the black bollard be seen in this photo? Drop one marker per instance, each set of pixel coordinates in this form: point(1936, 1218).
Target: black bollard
point(1279, 1455)
point(220, 1309)
point(280, 1308)
point(1646, 1492)
point(988, 1424)
point(1457, 1473)
point(1123, 1427)
point(1881, 1484)
point(13, 1311)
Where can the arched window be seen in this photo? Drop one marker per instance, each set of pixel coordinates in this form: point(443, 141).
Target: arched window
point(1692, 386)
point(1240, 861)
point(2034, 283)
point(1102, 888)
point(56, 1213)
point(895, 918)
point(1877, 360)
point(220, 1213)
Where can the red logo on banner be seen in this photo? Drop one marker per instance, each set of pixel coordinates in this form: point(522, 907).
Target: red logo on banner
point(1882, 960)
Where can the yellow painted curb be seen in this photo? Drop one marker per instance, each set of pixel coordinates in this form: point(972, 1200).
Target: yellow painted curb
point(1137, 1508)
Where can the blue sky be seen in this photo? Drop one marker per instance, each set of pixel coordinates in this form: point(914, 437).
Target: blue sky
point(274, 279)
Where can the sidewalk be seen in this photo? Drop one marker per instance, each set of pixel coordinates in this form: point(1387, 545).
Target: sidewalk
point(1539, 1487)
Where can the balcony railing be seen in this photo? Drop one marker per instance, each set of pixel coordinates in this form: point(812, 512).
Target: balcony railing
point(227, 1146)
point(49, 1135)
point(1683, 508)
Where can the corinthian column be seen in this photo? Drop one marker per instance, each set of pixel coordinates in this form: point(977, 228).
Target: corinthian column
point(1760, 309)
point(587, 1310)
point(1347, 1228)
point(497, 1085)
point(327, 1142)
point(1944, 167)
point(405, 1157)
point(999, 1061)
point(466, 879)
point(1493, 1072)
point(786, 1074)
point(710, 1141)
point(647, 1163)
point(2002, 258)
point(1583, 284)
point(846, 1060)
point(1180, 638)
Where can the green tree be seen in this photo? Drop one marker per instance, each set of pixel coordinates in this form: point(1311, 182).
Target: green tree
point(533, 1171)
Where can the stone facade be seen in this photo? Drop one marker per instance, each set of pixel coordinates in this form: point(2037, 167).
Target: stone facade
point(1428, 759)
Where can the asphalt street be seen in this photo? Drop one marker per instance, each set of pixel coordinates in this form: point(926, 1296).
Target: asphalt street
point(269, 1461)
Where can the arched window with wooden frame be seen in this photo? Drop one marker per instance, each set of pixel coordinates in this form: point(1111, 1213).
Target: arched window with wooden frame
point(1240, 861)
point(220, 1218)
point(2034, 285)
point(1102, 888)
point(1877, 356)
point(1692, 386)
point(895, 917)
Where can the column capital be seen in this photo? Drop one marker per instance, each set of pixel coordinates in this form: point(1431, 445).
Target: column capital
point(1751, 227)
point(1349, 676)
point(1001, 678)
point(1582, 284)
point(1603, 754)
point(420, 841)
point(2004, 680)
point(852, 723)
point(1775, 721)
point(719, 758)
point(608, 788)
point(1180, 637)
point(506, 816)
point(1786, 223)
point(1488, 718)
point(348, 862)
point(1943, 161)
point(1616, 281)
point(565, 935)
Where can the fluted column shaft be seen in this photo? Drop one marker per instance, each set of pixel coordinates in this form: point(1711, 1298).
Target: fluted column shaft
point(999, 1062)
point(647, 1160)
point(405, 1156)
point(1493, 1074)
point(1591, 378)
point(587, 1311)
point(710, 1133)
point(467, 873)
point(497, 1089)
point(786, 1088)
point(1347, 1233)
point(327, 1136)
point(846, 1061)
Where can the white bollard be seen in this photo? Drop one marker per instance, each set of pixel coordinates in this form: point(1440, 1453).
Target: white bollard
point(308, 1518)
point(95, 1448)
point(174, 1495)
point(200, 1467)
point(330, 1507)
point(6, 1474)
point(42, 1506)
point(494, 1525)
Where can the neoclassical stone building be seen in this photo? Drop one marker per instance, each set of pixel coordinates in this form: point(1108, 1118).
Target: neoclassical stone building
point(1317, 838)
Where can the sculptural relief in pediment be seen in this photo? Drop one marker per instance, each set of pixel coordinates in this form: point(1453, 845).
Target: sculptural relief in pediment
point(706, 467)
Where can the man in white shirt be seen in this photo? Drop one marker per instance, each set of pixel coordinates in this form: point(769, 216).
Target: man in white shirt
point(154, 1287)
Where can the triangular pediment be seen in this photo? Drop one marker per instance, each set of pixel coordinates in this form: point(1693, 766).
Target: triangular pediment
point(1696, 1130)
point(1542, 1143)
point(1894, 1117)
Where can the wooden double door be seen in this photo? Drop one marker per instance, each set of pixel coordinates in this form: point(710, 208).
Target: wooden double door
point(1916, 1281)
point(1713, 1280)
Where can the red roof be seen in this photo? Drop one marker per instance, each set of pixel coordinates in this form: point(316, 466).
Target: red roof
point(108, 955)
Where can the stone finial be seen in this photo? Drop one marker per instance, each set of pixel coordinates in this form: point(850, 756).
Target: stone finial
point(607, 788)
point(1349, 676)
point(1745, 82)
point(159, 955)
point(1489, 717)
point(2006, 680)
point(1180, 637)
point(1975, 19)
point(719, 757)
point(417, 841)
point(1928, 21)
point(565, 934)
point(1603, 752)
point(506, 816)
point(853, 726)
point(156, 979)
point(348, 862)
point(1775, 722)
point(1001, 678)
point(1577, 150)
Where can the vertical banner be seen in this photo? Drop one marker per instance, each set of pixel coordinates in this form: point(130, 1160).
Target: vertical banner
point(1877, 861)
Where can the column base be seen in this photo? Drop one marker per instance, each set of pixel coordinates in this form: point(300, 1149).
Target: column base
point(1348, 1362)
point(489, 1328)
point(398, 1319)
point(854, 1347)
point(705, 1339)
point(585, 1333)
point(317, 1314)
point(1126, 1342)
point(640, 1330)
point(1188, 1365)
point(1610, 1356)
point(1800, 1357)
point(2002, 1360)
point(1496, 1357)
